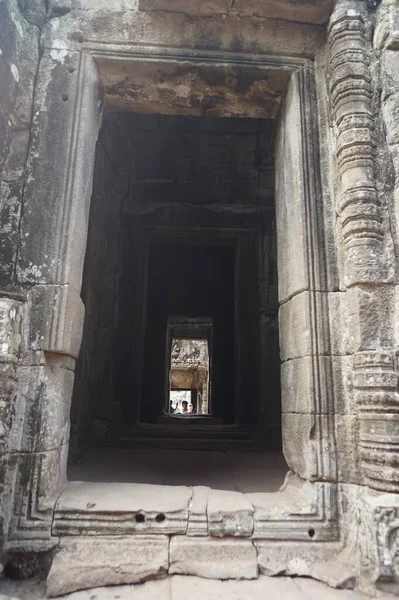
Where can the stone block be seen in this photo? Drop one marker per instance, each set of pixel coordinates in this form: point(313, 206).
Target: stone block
point(56, 319)
point(198, 511)
point(390, 109)
point(19, 43)
point(37, 479)
point(15, 162)
point(40, 411)
point(302, 11)
point(348, 456)
point(291, 213)
point(337, 319)
point(212, 558)
point(301, 511)
point(165, 29)
point(229, 514)
point(9, 88)
point(189, 7)
point(57, 195)
point(389, 74)
point(364, 330)
point(121, 508)
point(300, 335)
point(308, 444)
point(10, 198)
point(327, 562)
point(373, 518)
point(317, 385)
point(386, 33)
point(10, 329)
point(299, 380)
point(88, 562)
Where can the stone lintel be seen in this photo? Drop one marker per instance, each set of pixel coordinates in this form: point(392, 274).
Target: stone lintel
point(304, 11)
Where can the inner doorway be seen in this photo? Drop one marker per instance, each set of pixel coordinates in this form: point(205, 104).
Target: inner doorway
point(189, 370)
point(190, 278)
point(182, 234)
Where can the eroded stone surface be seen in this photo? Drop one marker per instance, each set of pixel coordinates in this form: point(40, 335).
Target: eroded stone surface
point(85, 563)
point(111, 508)
point(229, 514)
point(227, 558)
point(337, 197)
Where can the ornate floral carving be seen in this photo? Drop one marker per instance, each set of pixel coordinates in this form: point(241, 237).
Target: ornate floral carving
point(364, 237)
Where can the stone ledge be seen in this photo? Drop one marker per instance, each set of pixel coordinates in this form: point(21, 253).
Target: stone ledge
point(328, 562)
point(213, 558)
point(87, 562)
point(100, 509)
point(121, 508)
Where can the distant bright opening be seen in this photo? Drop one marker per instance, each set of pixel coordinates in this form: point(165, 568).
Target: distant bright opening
point(189, 377)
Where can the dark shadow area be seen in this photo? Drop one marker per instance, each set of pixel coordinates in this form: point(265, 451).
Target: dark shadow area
point(182, 222)
point(190, 280)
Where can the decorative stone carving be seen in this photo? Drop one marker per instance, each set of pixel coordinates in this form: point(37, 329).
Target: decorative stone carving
point(368, 259)
point(388, 541)
point(376, 382)
point(351, 95)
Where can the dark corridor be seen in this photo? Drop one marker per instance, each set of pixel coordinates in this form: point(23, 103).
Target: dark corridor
point(182, 222)
point(190, 280)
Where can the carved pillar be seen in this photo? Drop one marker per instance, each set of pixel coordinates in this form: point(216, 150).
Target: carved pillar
point(351, 95)
point(367, 255)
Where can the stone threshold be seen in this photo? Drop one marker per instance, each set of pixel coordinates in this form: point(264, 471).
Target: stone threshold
point(300, 511)
point(124, 533)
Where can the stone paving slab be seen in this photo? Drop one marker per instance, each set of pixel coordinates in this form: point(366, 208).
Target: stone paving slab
point(194, 588)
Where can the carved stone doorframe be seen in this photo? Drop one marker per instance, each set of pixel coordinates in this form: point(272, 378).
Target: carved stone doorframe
point(57, 201)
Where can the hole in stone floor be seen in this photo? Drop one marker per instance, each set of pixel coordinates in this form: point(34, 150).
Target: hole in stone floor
point(311, 533)
point(160, 518)
point(139, 518)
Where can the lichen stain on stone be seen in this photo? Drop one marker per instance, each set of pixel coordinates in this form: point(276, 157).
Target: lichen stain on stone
point(59, 55)
point(14, 72)
point(17, 24)
point(222, 91)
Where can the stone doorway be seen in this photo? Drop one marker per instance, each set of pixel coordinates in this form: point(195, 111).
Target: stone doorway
point(188, 366)
point(287, 104)
point(183, 222)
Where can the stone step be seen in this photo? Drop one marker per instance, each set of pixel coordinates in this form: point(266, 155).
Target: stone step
point(190, 431)
point(182, 443)
point(195, 434)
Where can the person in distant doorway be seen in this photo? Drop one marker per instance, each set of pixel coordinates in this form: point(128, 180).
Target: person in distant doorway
point(172, 408)
point(190, 408)
point(185, 406)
